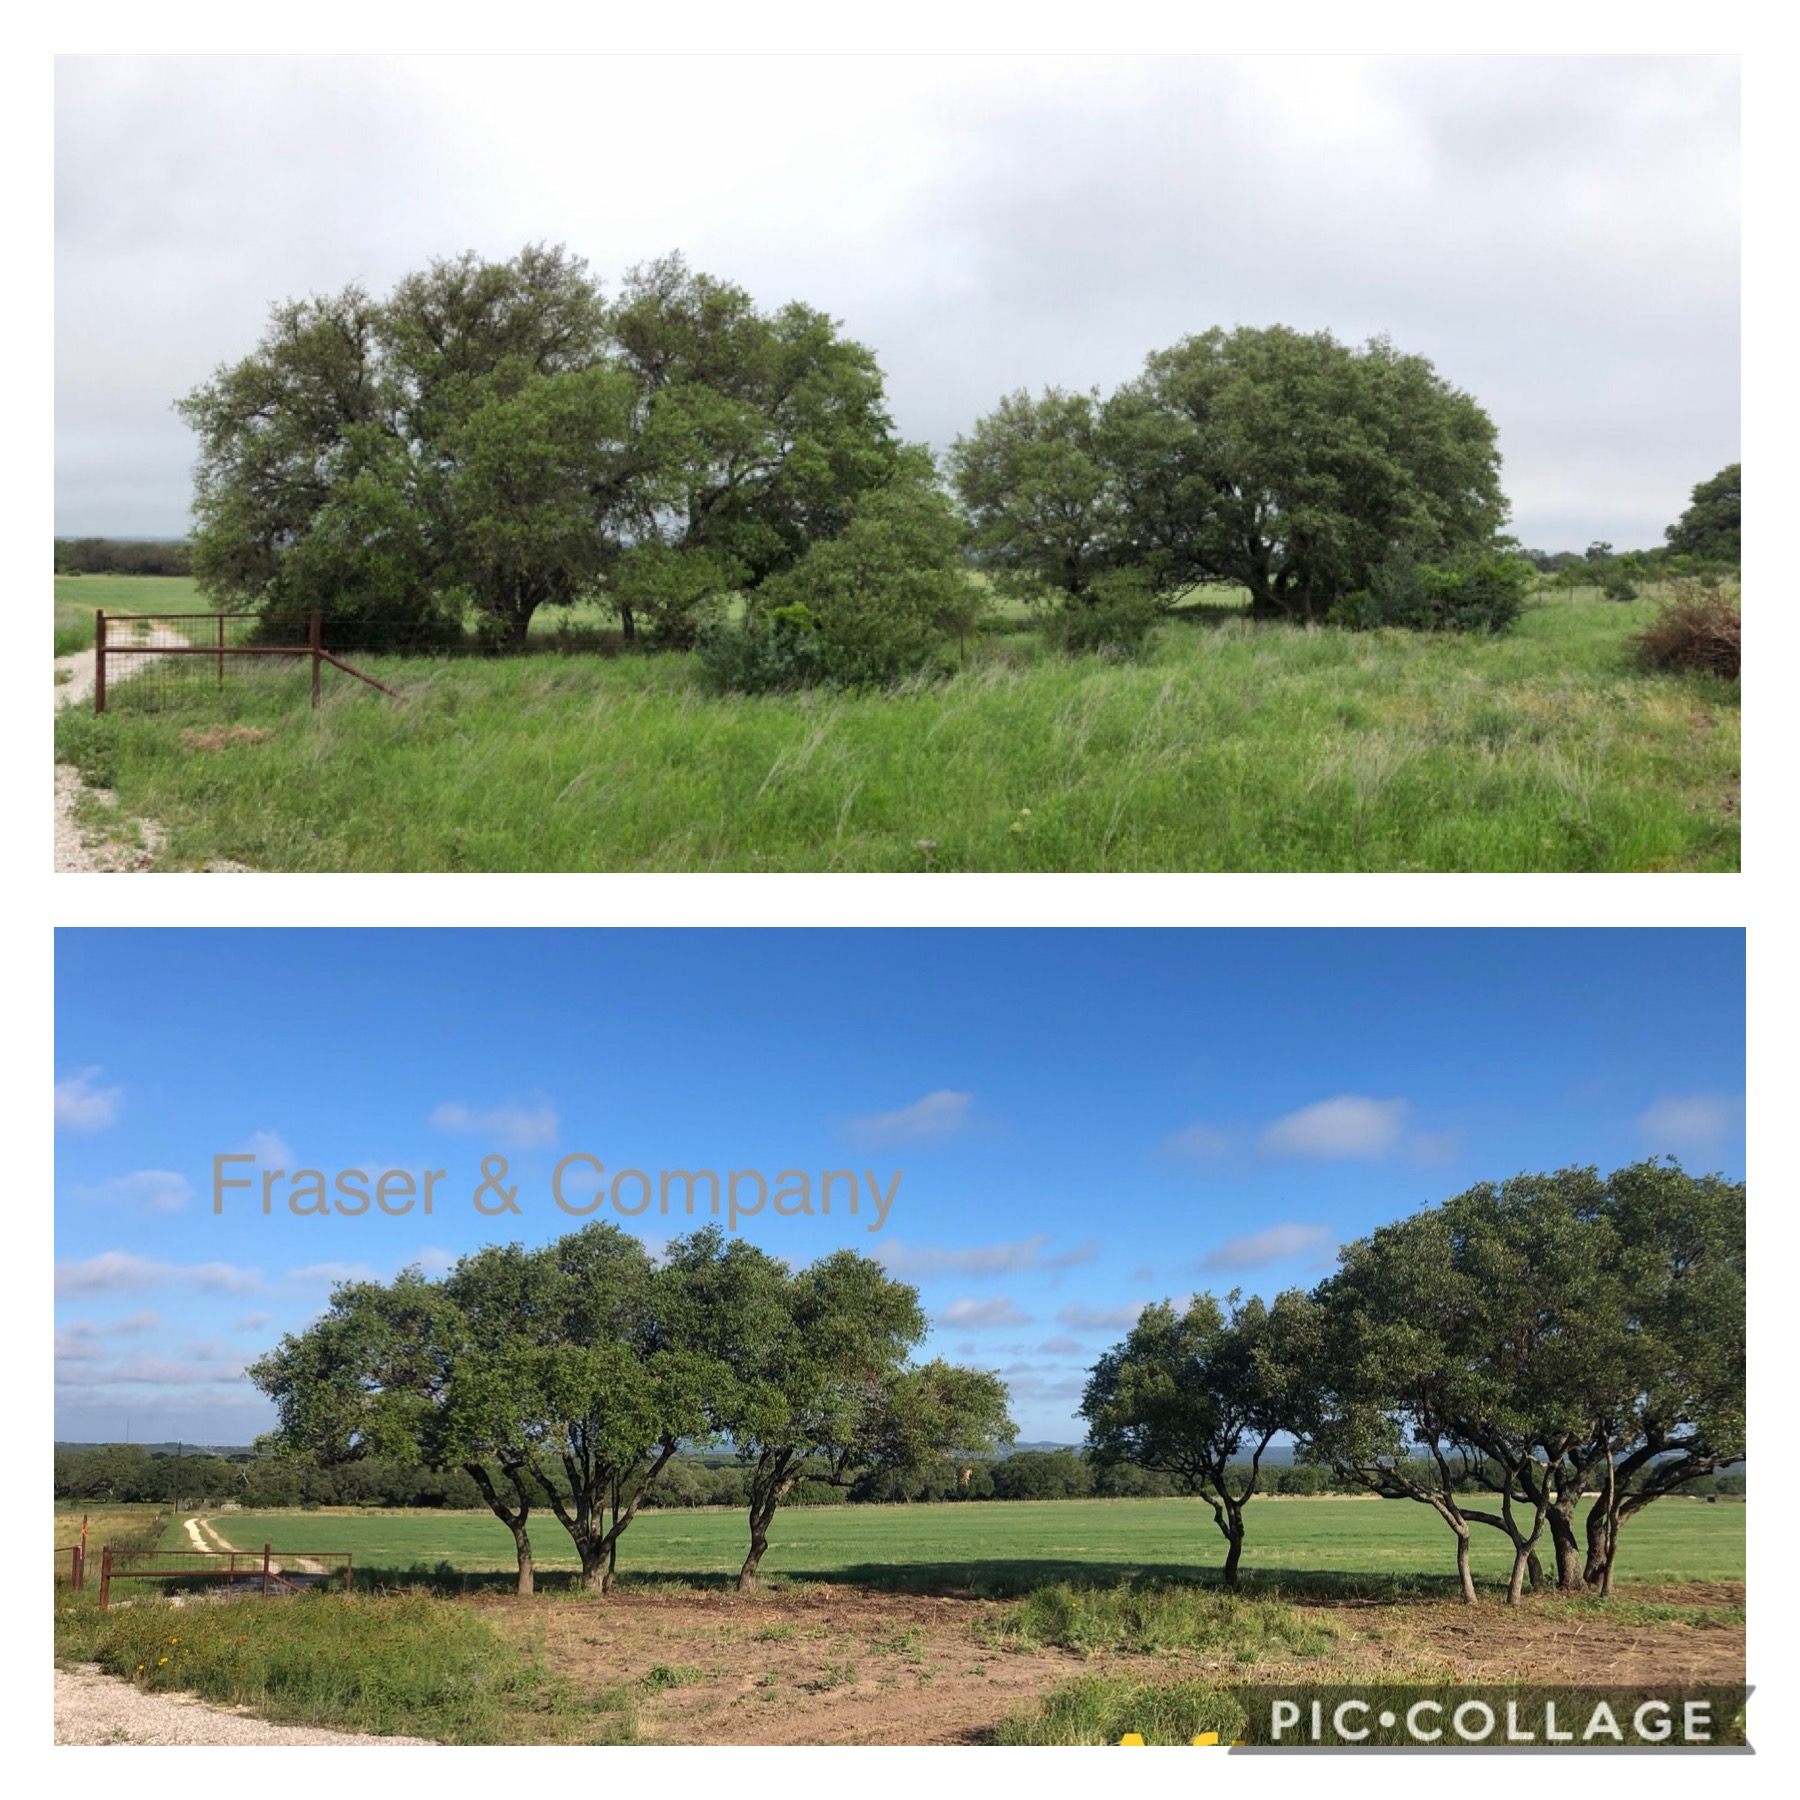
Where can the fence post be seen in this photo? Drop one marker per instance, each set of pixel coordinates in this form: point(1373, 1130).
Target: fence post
point(99, 662)
point(347, 1562)
point(105, 1574)
point(221, 649)
point(75, 1567)
point(312, 641)
point(265, 1546)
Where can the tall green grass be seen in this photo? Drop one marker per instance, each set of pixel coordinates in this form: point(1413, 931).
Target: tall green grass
point(1231, 747)
point(392, 1664)
point(1158, 1618)
point(1101, 1709)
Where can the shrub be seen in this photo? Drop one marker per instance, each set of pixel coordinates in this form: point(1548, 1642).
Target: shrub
point(779, 651)
point(1619, 586)
point(1483, 593)
point(1696, 629)
point(879, 602)
point(1115, 616)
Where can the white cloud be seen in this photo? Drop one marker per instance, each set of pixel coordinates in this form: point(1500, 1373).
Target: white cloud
point(1198, 1140)
point(82, 1106)
point(975, 1315)
point(937, 1115)
point(434, 1261)
point(1692, 1121)
point(1352, 1125)
point(252, 1321)
point(1060, 1346)
point(116, 1271)
point(145, 1190)
point(271, 1150)
point(331, 1273)
point(1100, 1318)
point(918, 1262)
point(516, 1126)
point(1278, 1244)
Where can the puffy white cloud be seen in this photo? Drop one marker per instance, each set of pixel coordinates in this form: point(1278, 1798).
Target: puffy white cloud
point(1691, 1121)
point(81, 1105)
point(1100, 1318)
point(1351, 1125)
point(937, 1115)
point(516, 1126)
point(976, 1315)
point(919, 1262)
point(1279, 1243)
point(144, 1190)
point(117, 1271)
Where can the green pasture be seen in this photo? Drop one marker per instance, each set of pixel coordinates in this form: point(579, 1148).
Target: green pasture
point(998, 1546)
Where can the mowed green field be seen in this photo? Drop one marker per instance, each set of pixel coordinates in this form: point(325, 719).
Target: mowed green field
point(997, 1544)
point(79, 597)
point(1232, 746)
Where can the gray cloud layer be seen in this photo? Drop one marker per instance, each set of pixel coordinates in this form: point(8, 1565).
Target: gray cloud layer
point(1559, 235)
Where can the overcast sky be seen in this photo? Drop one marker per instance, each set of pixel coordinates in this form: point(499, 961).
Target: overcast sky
point(1560, 236)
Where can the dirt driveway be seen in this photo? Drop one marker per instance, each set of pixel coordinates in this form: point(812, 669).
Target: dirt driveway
point(78, 852)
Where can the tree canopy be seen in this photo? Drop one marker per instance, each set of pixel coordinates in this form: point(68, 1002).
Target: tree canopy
point(495, 438)
point(1711, 527)
point(1283, 461)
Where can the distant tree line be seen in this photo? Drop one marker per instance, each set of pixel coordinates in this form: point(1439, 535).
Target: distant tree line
point(122, 556)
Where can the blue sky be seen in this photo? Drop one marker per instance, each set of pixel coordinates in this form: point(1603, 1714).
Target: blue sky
point(1080, 1121)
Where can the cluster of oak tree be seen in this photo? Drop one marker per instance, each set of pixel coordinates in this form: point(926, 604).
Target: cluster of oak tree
point(491, 439)
point(564, 1380)
point(1542, 1358)
point(1502, 1358)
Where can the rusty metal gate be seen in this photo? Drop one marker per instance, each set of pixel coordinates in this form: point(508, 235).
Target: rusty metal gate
point(130, 646)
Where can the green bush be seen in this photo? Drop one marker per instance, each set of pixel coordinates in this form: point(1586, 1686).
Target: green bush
point(1475, 593)
point(1116, 616)
point(883, 600)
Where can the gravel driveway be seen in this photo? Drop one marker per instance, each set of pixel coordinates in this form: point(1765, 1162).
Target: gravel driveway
point(76, 853)
point(93, 1708)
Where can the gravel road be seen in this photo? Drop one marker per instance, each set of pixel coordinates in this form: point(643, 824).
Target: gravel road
point(93, 1708)
point(76, 853)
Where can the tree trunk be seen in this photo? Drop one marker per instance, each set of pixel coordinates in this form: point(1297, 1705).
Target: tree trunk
point(1569, 1572)
point(1463, 1573)
point(527, 1574)
point(1234, 1547)
point(759, 1542)
point(628, 624)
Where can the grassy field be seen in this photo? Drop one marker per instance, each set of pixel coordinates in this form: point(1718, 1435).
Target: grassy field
point(1025, 1623)
point(79, 597)
point(1231, 747)
point(996, 1547)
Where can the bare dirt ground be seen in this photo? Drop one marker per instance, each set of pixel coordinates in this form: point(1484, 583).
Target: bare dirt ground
point(80, 852)
point(92, 1708)
point(838, 1666)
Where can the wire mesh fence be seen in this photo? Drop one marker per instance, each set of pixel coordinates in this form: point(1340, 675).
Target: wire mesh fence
point(149, 661)
point(264, 1571)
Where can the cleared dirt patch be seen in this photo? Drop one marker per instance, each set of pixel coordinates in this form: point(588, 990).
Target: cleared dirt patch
point(835, 1665)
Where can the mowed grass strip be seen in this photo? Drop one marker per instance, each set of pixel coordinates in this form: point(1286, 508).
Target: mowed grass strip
point(1231, 747)
point(1000, 1547)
